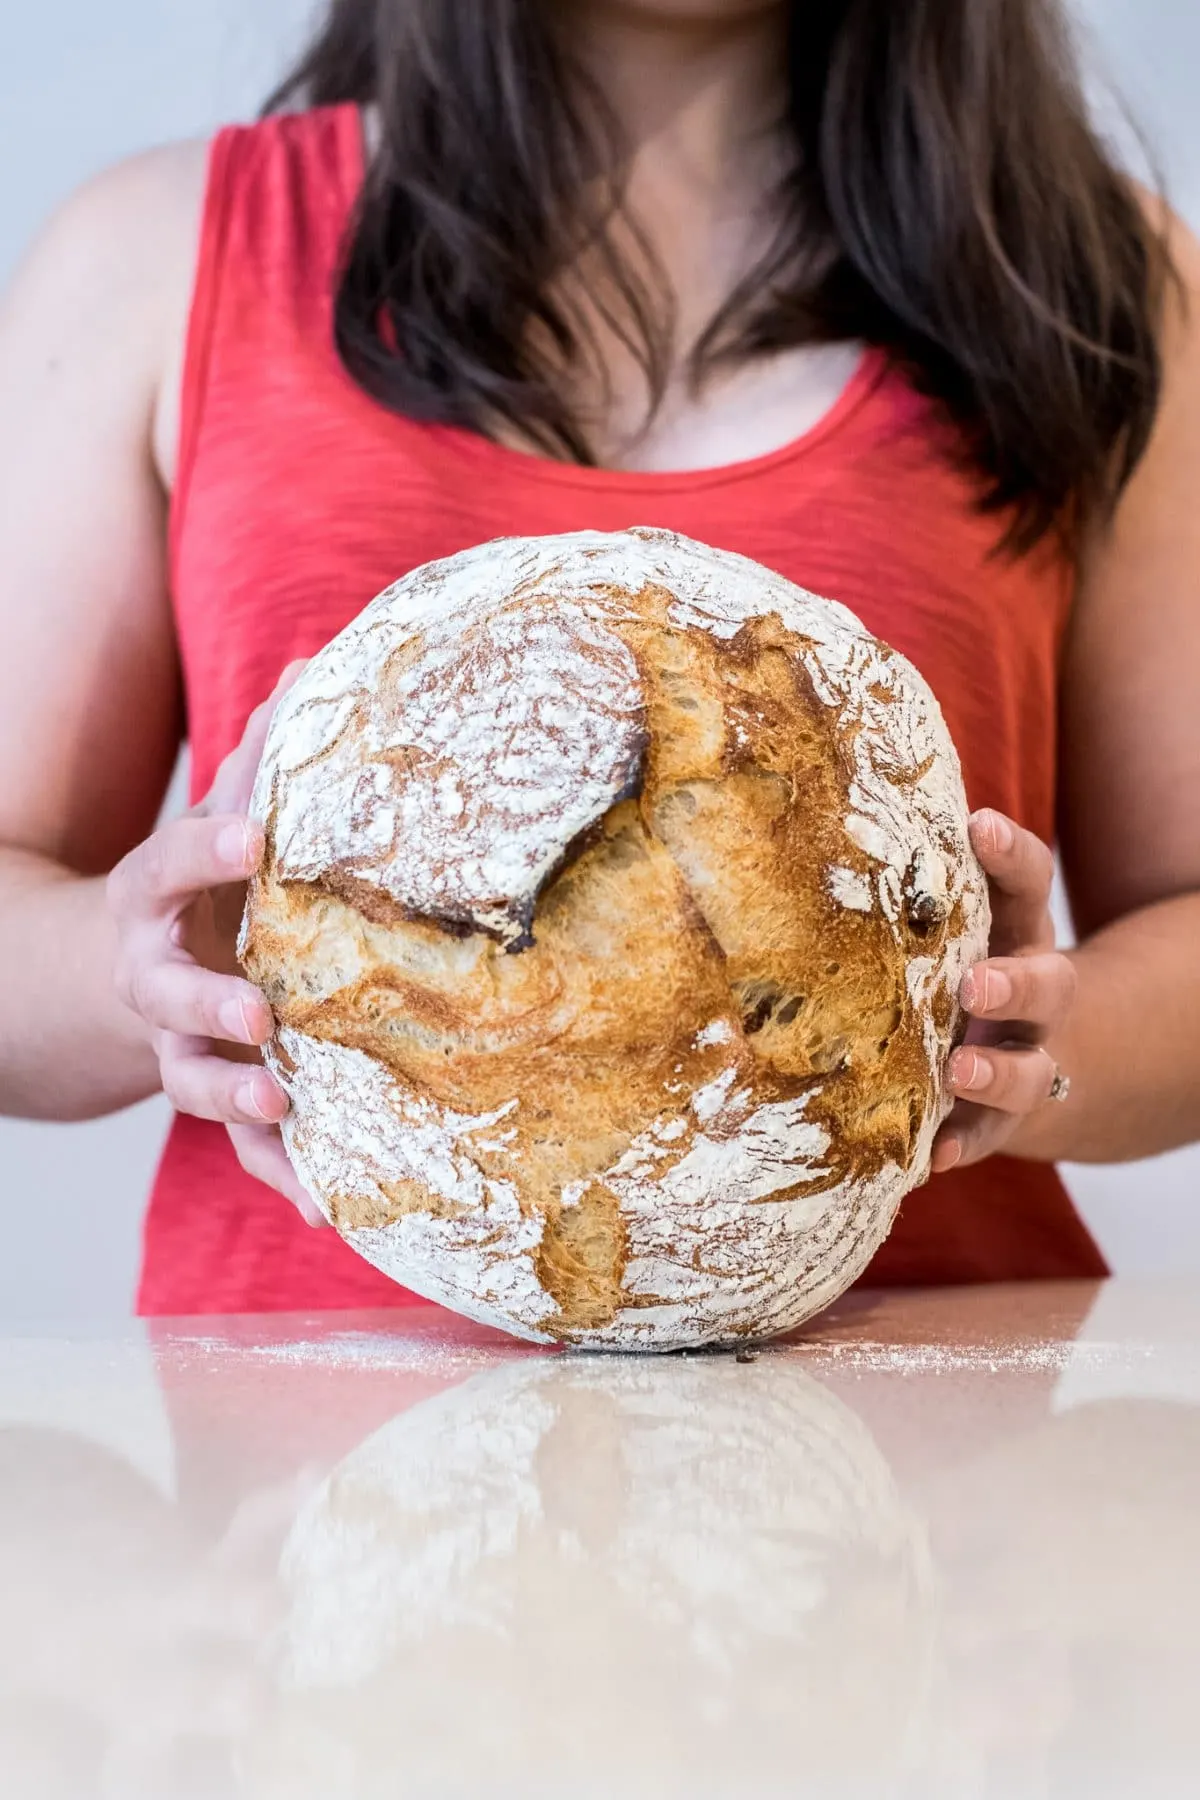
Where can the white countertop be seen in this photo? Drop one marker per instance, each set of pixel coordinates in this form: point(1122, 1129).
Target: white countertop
point(943, 1545)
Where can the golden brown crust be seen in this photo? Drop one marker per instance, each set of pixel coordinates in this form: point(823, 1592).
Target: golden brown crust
point(688, 934)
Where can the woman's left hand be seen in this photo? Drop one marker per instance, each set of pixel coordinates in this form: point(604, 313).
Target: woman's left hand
point(1017, 999)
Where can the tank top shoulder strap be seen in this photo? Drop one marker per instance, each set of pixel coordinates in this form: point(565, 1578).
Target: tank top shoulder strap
point(278, 197)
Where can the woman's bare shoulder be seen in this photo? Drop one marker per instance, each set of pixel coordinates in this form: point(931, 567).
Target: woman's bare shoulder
point(126, 225)
point(1131, 726)
point(88, 331)
point(126, 240)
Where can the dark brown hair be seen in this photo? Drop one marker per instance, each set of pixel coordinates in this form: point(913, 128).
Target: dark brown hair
point(946, 198)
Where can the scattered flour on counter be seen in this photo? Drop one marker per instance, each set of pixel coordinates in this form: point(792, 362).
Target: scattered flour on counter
point(365, 1350)
point(1051, 1357)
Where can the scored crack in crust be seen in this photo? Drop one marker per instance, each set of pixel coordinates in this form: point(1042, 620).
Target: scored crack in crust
point(614, 907)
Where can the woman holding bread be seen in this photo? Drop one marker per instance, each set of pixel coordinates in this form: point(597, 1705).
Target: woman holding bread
point(848, 287)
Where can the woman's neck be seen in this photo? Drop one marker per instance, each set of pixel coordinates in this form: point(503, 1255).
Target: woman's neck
point(698, 98)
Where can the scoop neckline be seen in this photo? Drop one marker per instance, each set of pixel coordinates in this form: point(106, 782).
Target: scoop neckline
point(472, 446)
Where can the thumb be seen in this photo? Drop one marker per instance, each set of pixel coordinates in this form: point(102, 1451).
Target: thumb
point(233, 783)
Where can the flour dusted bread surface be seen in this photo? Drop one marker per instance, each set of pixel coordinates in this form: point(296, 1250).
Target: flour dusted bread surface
point(616, 897)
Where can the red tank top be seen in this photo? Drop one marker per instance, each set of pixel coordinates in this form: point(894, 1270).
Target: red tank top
point(298, 498)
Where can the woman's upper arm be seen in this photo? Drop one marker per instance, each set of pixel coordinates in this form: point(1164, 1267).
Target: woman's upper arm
point(89, 691)
point(1130, 748)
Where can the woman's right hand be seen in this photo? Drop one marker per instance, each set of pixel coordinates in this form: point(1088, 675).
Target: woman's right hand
point(177, 902)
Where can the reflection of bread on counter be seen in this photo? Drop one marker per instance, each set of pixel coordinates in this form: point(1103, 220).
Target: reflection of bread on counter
point(615, 902)
point(652, 1579)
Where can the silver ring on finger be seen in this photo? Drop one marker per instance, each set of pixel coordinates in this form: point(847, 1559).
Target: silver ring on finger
point(1060, 1087)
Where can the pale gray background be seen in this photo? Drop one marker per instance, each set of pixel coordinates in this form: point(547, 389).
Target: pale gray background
point(86, 81)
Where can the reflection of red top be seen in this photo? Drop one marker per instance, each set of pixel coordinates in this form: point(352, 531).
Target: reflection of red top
point(298, 498)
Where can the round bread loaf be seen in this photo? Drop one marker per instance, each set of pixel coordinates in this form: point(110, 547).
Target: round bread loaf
point(615, 901)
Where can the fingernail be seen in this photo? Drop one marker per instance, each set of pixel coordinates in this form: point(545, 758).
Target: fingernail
point(999, 829)
point(249, 1102)
point(997, 990)
point(233, 846)
point(971, 1073)
point(949, 1153)
point(234, 1021)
